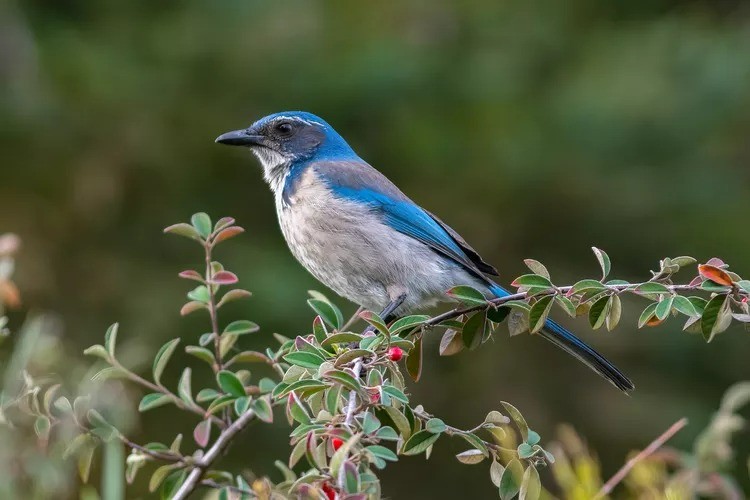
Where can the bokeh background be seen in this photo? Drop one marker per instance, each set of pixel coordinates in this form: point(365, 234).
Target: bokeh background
point(536, 129)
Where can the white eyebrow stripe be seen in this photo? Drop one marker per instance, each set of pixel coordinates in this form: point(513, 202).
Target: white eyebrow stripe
point(298, 119)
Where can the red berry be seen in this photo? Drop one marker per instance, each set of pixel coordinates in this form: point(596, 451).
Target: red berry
point(395, 353)
point(329, 491)
point(336, 443)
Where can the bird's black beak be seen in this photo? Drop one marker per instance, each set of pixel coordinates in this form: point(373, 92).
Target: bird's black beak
point(240, 138)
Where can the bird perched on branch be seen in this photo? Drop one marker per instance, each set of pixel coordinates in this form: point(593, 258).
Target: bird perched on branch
point(357, 233)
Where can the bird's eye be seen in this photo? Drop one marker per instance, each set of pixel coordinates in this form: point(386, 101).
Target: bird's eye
point(284, 128)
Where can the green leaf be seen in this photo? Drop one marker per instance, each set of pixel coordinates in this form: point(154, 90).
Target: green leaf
point(202, 433)
point(716, 317)
point(97, 350)
point(352, 354)
point(599, 311)
point(344, 379)
point(435, 426)
point(351, 477)
point(207, 395)
point(664, 307)
point(341, 338)
point(467, 295)
point(414, 360)
point(153, 400)
point(498, 314)
point(301, 386)
point(233, 295)
point(382, 452)
point(451, 343)
point(408, 322)
point(370, 423)
point(651, 287)
point(566, 304)
point(586, 286)
point(241, 405)
point(476, 442)
point(474, 330)
point(517, 418)
point(537, 267)
point(387, 433)
point(202, 224)
point(539, 312)
point(376, 321)
point(419, 442)
point(199, 294)
point(615, 311)
point(683, 305)
point(496, 472)
point(183, 229)
point(531, 486)
point(395, 393)
point(159, 475)
point(241, 327)
point(230, 384)
point(162, 358)
point(262, 408)
point(470, 457)
point(532, 280)
point(250, 357)
point(510, 482)
point(184, 387)
point(604, 261)
point(399, 420)
point(110, 338)
point(328, 312)
point(525, 450)
point(305, 359)
point(201, 353)
point(319, 330)
point(647, 314)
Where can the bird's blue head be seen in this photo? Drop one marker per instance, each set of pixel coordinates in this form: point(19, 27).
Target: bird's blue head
point(283, 140)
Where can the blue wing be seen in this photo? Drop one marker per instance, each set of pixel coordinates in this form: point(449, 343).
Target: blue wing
point(360, 182)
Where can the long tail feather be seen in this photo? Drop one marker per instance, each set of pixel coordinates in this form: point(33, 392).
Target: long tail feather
point(574, 346)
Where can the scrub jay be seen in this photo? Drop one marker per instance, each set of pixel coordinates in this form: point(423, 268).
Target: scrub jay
point(357, 233)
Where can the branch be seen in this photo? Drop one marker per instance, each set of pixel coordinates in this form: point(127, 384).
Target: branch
point(645, 453)
point(353, 395)
point(202, 464)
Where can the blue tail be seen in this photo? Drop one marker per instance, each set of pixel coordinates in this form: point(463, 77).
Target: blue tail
point(574, 346)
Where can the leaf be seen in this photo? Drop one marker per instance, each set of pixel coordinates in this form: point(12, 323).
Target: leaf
point(352, 354)
point(498, 314)
point(382, 452)
point(97, 350)
point(232, 295)
point(599, 311)
point(202, 224)
point(241, 405)
point(153, 400)
point(716, 317)
point(496, 472)
point(370, 423)
point(419, 442)
point(192, 306)
point(536, 267)
point(408, 322)
point(376, 321)
point(184, 387)
point(510, 482)
point(85, 457)
point(344, 379)
point(399, 421)
point(340, 338)
point(340, 455)
point(304, 359)
point(476, 442)
point(110, 338)
point(715, 274)
point(201, 353)
point(262, 408)
point(435, 426)
point(518, 322)
point(395, 393)
point(496, 418)
point(517, 418)
point(651, 287)
point(566, 304)
point(202, 433)
point(664, 307)
point(539, 312)
point(327, 311)
point(230, 384)
point(683, 305)
point(531, 486)
point(532, 280)
point(615, 311)
point(451, 343)
point(351, 480)
point(250, 357)
point(525, 450)
point(604, 261)
point(199, 294)
point(646, 315)
point(183, 229)
point(586, 286)
point(474, 330)
point(158, 476)
point(207, 395)
point(470, 457)
point(241, 327)
point(227, 233)
point(467, 295)
point(301, 386)
point(414, 361)
point(162, 358)
point(224, 278)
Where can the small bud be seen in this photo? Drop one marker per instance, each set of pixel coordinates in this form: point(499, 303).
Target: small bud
point(374, 397)
point(336, 443)
point(395, 353)
point(329, 491)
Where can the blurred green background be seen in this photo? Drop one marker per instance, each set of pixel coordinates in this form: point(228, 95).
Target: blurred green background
point(536, 129)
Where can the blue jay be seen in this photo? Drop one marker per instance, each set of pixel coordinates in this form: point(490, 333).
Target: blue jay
point(357, 233)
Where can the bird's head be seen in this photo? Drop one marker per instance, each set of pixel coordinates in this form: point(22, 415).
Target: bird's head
point(284, 139)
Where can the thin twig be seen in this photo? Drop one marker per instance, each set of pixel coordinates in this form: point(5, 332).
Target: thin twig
point(353, 319)
point(202, 464)
point(353, 395)
point(625, 469)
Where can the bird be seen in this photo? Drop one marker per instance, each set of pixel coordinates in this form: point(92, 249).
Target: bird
point(362, 237)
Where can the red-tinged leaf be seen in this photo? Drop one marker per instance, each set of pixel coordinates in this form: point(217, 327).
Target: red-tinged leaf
point(715, 274)
point(223, 222)
point(191, 275)
point(696, 281)
point(202, 433)
point(224, 278)
point(716, 262)
point(227, 233)
point(654, 321)
point(191, 306)
point(233, 295)
point(183, 229)
point(414, 360)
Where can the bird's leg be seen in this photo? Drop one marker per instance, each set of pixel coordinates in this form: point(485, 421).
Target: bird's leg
point(387, 314)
